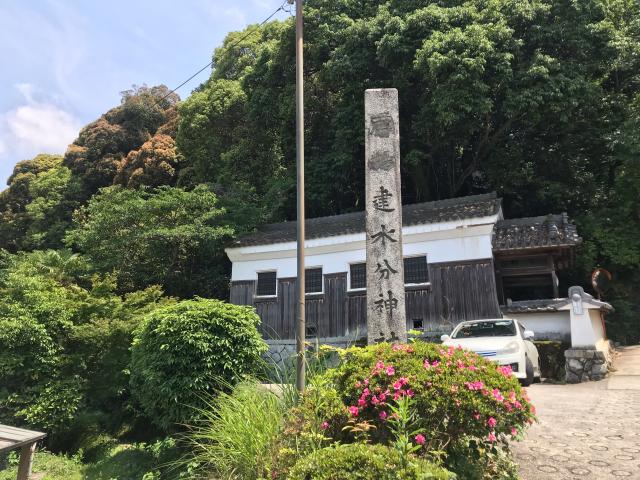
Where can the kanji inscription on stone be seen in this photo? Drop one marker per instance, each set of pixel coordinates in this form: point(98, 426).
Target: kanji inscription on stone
point(386, 317)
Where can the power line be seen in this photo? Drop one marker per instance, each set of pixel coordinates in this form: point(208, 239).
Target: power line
point(229, 48)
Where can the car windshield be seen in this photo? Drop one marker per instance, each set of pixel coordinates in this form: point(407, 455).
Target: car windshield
point(503, 328)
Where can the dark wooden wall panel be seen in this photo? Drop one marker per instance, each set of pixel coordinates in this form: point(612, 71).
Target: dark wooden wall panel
point(241, 293)
point(287, 297)
point(335, 297)
point(458, 291)
point(356, 315)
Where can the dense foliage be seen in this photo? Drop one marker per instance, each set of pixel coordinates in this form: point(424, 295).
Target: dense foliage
point(64, 340)
point(168, 236)
point(363, 462)
point(189, 349)
point(454, 393)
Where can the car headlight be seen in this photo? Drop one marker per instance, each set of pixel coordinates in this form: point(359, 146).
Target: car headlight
point(511, 347)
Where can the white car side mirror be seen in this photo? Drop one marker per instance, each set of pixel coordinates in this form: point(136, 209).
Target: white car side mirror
point(444, 338)
point(528, 335)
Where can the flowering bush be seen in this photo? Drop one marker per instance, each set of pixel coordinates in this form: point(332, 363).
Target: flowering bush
point(454, 393)
point(365, 462)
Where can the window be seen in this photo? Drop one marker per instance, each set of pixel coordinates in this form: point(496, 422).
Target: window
point(416, 270)
point(358, 276)
point(313, 280)
point(267, 282)
point(501, 328)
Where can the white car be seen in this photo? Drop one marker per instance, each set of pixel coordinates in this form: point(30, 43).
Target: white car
point(502, 340)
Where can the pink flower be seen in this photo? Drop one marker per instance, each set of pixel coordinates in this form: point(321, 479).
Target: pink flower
point(476, 416)
point(362, 402)
point(390, 370)
point(354, 411)
point(514, 432)
point(517, 404)
point(325, 425)
point(366, 381)
point(383, 415)
point(380, 365)
point(426, 364)
point(491, 437)
point(435, 363)
point(492, 422)
point(358, 384)
point(397, 385)
point(474, 385)
point(505, 370)
point(374, 400)
point(410, 393)
point(420, 440)
point(496, 394)
point(366, 392)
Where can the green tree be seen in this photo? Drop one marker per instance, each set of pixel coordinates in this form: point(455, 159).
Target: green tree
point(34, 210)
point(169, 237)
point(64, 340)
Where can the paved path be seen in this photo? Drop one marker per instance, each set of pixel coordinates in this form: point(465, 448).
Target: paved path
point(586, 431)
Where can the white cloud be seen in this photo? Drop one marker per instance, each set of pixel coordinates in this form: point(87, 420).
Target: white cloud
point(35, 126)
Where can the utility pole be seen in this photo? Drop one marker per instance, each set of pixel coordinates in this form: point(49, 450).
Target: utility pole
point(300, 311)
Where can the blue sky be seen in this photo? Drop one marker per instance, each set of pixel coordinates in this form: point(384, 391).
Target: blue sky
point(63, 63)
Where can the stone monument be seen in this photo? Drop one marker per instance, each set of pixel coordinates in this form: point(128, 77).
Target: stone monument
point(386, 316)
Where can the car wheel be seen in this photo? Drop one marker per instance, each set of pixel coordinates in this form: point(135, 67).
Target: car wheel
point(529, 371)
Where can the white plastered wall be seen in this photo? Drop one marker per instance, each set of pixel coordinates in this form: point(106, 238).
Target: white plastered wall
point(461, 240)
point(546, 325)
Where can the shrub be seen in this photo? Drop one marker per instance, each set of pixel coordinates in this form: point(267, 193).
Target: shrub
point(186, 350)
point(362, 461)
point(455, 393)
point(237, 433)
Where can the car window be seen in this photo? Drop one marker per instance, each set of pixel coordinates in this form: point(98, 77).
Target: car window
point(503, 328)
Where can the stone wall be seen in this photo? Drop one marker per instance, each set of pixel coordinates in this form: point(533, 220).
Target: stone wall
point(281, 350)
point(583, 364)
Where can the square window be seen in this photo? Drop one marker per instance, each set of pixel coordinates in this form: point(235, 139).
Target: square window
point(267, 282)
point(313, 280)
point(416, 270)
point(418, 324)
point(358, 276)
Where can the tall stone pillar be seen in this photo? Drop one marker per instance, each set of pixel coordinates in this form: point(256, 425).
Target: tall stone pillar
point(386, 316)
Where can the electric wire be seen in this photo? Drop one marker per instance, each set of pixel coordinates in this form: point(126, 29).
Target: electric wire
point(228, 49)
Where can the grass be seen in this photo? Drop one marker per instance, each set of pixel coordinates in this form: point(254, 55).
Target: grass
point(54, 467)
point(119, 462)
point(237, 431)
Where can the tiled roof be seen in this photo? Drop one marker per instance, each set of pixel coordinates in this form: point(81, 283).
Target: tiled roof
point(415, 214)
point(534, 306)
point(534, 232)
